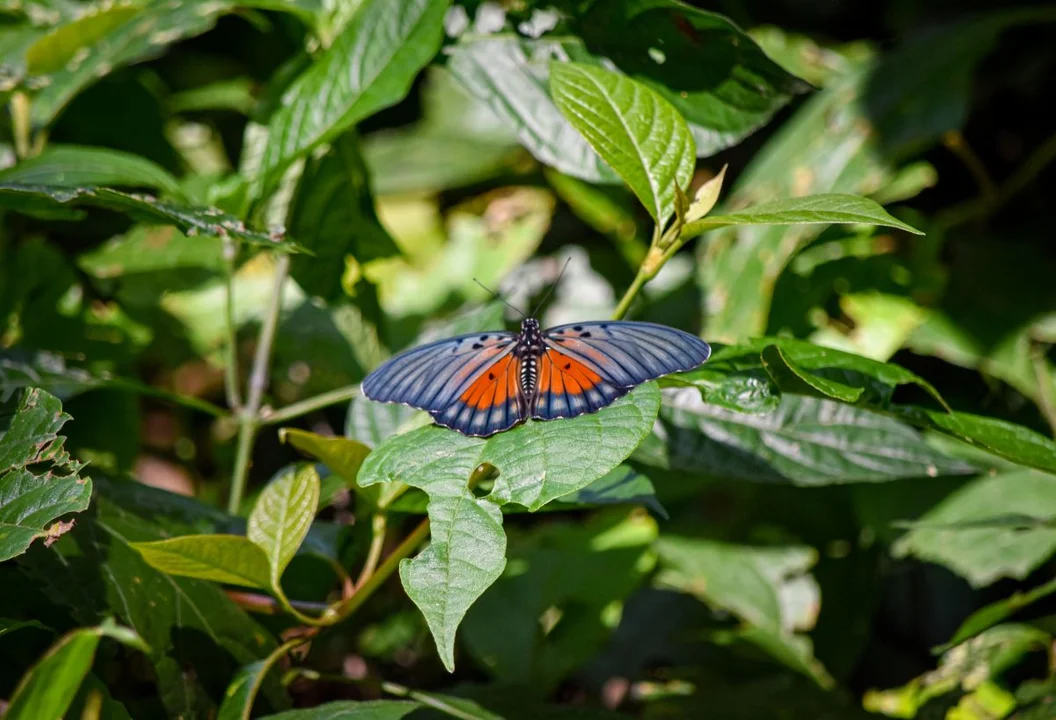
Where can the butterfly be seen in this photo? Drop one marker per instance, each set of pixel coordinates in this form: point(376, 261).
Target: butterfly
point(484, 383)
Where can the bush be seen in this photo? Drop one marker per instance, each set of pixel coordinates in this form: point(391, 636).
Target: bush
point(216, 218)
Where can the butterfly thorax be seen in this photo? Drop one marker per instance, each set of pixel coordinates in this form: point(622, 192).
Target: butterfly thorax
point(529, 349)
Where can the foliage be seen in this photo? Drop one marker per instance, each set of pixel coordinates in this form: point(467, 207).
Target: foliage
point(216, 218)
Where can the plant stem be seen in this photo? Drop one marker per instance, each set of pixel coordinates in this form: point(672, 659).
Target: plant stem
point(387, 567)
point(20, 124)
point(303, 407)
point(248, 418)
point(247, 433)
point(632, 292)
point(234, 395)
point(379, 525)
point(266, 666)
point(1043, 376)
point(955, 143)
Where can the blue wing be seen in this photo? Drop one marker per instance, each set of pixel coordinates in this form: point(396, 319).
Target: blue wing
point(624, 354)
point(433, 377)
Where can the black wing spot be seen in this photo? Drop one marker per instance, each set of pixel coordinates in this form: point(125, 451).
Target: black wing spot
point(586, 334)
point(477, 346)
point(483, 338)
point(577, 328)
point(603, 326)
point(559, 332)
point(491, 376)
point(568, 366)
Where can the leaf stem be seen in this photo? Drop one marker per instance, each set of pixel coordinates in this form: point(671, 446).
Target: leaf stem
point(248, 418)
point(954, 142)
point(632, 292)
point(266, 665)
point(20, 124)
point(1043, 376)
point(385, 569)
point(234, 395)
point(303, 407)
point(1023, 176)
point(379, 525)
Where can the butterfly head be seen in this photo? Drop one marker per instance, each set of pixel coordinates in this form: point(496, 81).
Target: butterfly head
point(530, 338)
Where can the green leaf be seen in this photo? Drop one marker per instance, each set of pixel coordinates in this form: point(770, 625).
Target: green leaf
point(372, 423)
point(282, 517)
point(791, 378)
point(103, 39)
point(805, 442)
point(39, 481)
point(810, 210)
point(510, 76)
point(221, 558)
point(349, 710)
point(706, 197)
point(369, 66)
point(96, 572)
point(708, 68)
point(632, 128)
point(49, 687)
point(466, 553)
point(622, 486)
point(75, 165)
point(767, 587)
point(828, 146)
point(1012, 442)
point(997, 612)
point(341, 455)
point(983, 555)
point(243, 689)
point(56, 202)
point(152, 249)
point(579, 572)
point(333, 210)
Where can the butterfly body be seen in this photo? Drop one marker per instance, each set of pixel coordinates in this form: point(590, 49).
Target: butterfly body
point(485, 383)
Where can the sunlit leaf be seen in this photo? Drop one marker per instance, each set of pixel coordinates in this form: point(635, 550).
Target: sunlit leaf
point(369, 66)
point(221, 558)
point(632, 128)
point(282, 516)
point(76, 165)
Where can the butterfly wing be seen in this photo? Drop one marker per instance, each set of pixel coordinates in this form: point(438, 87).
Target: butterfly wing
point(588, 365)
point(490, 404)
point(432, 377)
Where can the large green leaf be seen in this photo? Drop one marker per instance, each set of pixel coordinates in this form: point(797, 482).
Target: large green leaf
point(827, 147)
point(76, 165)
point(369, 66)
point(348, 710)
point(57, 202)
point(39, 481)
point(709, 69)
point(638, 133)
point(948, 534)
point(999, 611)
point(282, 516)
point(805, 441)
point(810, 210)
point(333, 211)
point(188, 623)
point(221, 558)
point(49, 687)
point(105, 38)
point(536, 462)
point(511, 76)
point(577, 572)
point(767, 587)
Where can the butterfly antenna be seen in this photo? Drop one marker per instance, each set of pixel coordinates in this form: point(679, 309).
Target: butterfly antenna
point(552, 286)
point(494, 294)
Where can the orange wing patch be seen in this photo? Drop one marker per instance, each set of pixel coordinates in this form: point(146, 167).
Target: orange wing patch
point(560, 373)
point(493, 386)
